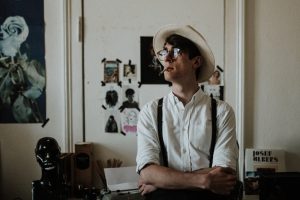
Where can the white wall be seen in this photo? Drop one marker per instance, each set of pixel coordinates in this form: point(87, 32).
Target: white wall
point(272, 91)
point(18, 165)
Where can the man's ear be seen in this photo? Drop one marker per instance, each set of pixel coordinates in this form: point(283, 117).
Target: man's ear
point(197, 61)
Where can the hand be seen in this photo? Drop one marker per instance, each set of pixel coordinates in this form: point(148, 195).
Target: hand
point(221, 180)
point(145, 188)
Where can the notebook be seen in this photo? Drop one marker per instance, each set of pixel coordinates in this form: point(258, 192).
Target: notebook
point(123, 183)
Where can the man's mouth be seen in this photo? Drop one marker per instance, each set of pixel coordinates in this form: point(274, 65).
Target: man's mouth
point(166, 69)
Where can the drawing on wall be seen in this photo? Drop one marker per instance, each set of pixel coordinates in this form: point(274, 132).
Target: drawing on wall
point(129, 118)
point(22, 62)
point(215, 85)
point(112, 96)
point(111, 104)
point(129, 109)
point(130, 98)
point(111, 71)
point(150, 66)
point(111, 125)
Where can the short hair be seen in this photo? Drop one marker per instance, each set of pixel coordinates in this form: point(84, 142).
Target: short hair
point(129, 92)
point(186, 45)
point(183, 44)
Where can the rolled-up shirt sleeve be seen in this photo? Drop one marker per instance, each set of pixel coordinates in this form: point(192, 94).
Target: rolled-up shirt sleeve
point(226, 149)
point(148, 148)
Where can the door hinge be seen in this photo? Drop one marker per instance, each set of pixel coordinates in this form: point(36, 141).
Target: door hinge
point(80, 29)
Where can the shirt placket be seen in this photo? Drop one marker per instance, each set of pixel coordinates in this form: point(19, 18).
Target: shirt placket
point(185, 152)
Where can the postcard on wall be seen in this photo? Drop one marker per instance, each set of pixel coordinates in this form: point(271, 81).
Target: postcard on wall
point(259, 161)
point(129, 72)
point(22, 62)
point(111, 71)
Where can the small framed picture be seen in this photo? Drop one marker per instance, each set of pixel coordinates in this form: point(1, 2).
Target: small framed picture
point(129, 71)
point(111, 71)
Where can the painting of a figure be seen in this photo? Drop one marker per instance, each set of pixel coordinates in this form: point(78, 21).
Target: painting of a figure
point(129, 118)
point(150, 66)
point(22, 62)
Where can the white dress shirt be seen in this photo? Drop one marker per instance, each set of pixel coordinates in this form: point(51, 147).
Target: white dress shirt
point(187, 133)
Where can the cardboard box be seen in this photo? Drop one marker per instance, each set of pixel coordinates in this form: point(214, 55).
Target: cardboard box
point(83, 164)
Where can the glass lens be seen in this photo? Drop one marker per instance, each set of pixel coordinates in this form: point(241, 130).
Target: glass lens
point(176, 52)
point(162, 54)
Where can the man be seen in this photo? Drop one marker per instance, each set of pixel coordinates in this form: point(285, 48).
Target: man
point(186, 126)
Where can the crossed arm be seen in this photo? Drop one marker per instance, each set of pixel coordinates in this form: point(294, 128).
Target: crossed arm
point(217, 179)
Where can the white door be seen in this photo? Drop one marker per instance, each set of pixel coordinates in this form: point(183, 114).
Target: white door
point(112, 31)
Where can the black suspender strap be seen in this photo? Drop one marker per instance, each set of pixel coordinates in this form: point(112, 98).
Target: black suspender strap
point(214, 129)
point(160, 136)
point(213, 137)
point(237, 193)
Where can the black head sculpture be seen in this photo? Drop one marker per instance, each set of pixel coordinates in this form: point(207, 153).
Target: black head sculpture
point(47, 153)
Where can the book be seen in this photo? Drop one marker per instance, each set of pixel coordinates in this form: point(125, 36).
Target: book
point(258, 161)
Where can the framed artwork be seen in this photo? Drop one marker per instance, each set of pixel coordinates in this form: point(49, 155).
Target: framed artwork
point(111, 71)
point(150, 66)
point(22, 62)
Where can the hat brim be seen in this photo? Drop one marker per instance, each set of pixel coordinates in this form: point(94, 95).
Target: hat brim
point(187, 31)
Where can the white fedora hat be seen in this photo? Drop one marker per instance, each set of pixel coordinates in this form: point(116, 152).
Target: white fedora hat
point(187, 31)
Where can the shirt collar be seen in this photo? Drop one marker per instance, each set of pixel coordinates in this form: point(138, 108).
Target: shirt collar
point(196, 97)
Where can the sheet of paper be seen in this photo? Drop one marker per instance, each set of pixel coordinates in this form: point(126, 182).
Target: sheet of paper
point(121, 178)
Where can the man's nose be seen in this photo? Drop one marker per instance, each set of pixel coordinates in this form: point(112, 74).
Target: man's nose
point(169, 57)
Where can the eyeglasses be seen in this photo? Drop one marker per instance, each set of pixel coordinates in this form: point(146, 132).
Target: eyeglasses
point(173, 53)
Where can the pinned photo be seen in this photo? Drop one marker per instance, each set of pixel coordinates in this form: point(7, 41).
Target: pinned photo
point(129, 71)
point(111, 71)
